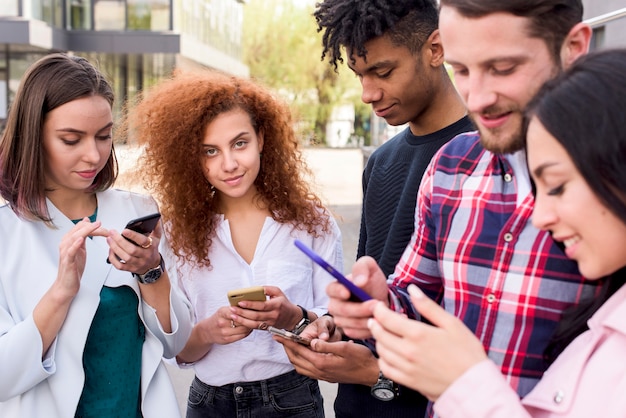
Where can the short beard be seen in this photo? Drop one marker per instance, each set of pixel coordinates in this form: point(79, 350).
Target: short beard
point(498, 145)
point(494, 141)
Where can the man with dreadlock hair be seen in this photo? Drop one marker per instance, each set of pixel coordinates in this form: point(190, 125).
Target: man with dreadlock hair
point(393, 46)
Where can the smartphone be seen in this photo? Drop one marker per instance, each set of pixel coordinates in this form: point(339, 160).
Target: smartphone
point(289, 335)
point(254, 293)
point(144, 225)
point(358, 294)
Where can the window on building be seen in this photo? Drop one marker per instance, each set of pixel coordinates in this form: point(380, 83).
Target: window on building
point(18, 63)
point(213, 22)
point(78, 14)
point(113, 67)
point(38, 9)
point(8, 8)
point(109, 14)
point(151, 15)
point(50, 11)
point(597, 39)
point(129, 74)
point(57, 13)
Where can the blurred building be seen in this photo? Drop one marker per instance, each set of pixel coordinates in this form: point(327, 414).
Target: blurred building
point(134, 42)
point(608, 20)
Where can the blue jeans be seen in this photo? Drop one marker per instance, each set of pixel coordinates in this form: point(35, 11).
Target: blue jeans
point(287, 395)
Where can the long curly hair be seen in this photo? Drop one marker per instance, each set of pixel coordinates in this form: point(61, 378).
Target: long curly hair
point(352, 23)
point(170, 121)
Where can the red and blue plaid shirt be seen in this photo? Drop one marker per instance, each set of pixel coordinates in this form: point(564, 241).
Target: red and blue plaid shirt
point(475, 250)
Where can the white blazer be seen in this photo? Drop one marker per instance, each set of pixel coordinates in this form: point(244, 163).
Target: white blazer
point(29, 254)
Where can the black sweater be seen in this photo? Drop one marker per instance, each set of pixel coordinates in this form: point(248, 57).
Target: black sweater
point(391, 180)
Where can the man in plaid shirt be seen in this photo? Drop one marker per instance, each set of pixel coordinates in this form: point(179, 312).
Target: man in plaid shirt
point(474, 248)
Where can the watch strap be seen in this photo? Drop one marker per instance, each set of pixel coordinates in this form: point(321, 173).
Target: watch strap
point(301, 325)
point(144, 278)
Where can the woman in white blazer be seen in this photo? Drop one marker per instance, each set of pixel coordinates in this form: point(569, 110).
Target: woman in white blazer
point(86, 316)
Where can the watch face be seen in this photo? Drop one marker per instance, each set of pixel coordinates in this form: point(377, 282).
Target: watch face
point(383, 394)
point(301, 326)
point(152, 276)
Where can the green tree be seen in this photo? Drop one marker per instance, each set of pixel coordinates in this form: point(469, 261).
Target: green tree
point(282, 48)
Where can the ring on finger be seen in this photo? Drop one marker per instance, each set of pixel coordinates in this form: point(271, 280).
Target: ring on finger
point(262, 326)
point(148, 244)
point(122, 261)
point(232, 324)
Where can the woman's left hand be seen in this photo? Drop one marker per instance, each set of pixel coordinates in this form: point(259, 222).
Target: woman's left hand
point(427, 358)
point(138, 255)
point(277, 311)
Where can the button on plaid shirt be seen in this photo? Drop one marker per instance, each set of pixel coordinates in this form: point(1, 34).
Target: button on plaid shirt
point(475, 250)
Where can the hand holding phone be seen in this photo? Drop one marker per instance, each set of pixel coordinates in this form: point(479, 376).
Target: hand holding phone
point(144, 225)
point(254, 293)
point(357, 293)
point(289, 335)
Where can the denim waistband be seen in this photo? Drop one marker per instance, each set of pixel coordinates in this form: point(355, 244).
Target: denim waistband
point(259, 388)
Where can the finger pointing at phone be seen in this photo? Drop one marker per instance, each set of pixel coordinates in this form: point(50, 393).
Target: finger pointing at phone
point(427, 358)
point(72, 253)
point(352, 316)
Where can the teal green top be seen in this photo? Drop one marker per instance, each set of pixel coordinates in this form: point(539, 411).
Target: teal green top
point(112, 357)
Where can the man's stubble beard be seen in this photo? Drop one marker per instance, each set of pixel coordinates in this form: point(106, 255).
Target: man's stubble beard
point(499, 140)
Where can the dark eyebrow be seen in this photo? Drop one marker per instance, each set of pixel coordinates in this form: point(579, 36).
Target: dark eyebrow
point(235, 139)
point(78, 131)
point(105, 127)
point(507, 59)
point(376, 66)
point(539, 170)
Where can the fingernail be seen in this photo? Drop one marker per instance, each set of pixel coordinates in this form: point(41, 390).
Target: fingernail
point(360, 279)
point(370, 323)
point(415, 291)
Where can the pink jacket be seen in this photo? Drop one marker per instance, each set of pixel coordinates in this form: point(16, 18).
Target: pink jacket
point(587, 380)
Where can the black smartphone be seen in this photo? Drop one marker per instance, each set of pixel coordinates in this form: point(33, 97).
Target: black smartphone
point(357, 294)
point(144, 225)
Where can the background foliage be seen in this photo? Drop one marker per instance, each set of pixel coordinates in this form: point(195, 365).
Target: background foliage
point(283, 50)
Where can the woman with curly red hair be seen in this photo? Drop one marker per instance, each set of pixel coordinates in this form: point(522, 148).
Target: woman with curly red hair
point(222, 157)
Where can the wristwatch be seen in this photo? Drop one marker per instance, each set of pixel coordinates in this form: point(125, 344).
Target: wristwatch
point(300, 326)
point(384, 389)
point(151, 275)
